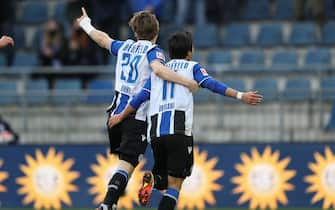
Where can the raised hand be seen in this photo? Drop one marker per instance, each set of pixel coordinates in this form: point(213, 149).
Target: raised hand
point(252, 98)
point(6, 40)
point(84, 14)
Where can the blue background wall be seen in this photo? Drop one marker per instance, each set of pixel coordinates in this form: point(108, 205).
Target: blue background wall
point(228, 155)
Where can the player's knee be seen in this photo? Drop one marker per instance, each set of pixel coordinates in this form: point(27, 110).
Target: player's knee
point(131, 160)
point(174, 182)
point(161, 181)
point(125, 166)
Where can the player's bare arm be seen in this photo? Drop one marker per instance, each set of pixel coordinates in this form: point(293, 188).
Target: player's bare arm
point(116, 119)
point(166, 73)
point(6, 40)
point(250, 97)
point(100, 37)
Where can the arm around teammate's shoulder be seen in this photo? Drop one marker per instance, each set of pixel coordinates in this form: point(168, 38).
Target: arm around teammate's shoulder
point(100, 37)
point(168, 74)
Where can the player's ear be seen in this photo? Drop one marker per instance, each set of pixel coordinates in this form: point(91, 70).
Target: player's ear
point(189, 55)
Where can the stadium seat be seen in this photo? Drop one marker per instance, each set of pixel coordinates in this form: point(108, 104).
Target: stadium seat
point(67, 91)
point(252, 60)
point(25, 59)
point(112, 60)
point(59, 11)
point(37, 39)
point(168, 12)
point(328, 33)
point(286, 60)
point(237, 84)
point(284, 10)
point(203, 96)
point(219, 59)
point(270, 35)
point(268, 88)
point(19, 37)
point(303, 34)
point(34, 13)
point(297, 90)
point(2, 61)
point(256, 10)
point(328, 89)
point(205, 36)
point(100, 91)
point(37, 91)
point(236, 35)
point(317, 59)
point(329, 8)
point(197, 57)
point(331, 123)
point(8, 94)
point(165, 33)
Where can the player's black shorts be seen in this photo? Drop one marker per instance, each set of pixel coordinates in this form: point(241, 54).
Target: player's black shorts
point(128, 139)
point(173, 155)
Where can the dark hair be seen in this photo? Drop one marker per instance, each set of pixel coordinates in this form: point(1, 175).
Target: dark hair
point(180, 44)
point(145, 25)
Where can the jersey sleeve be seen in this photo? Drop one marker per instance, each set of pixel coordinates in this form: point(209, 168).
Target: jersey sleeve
point(142, 96)
point(115, 46)
point(147, 85)
point(200, 74)
point(156, 54)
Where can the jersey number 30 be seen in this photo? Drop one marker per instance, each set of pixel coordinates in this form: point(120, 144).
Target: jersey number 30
point(133, 64)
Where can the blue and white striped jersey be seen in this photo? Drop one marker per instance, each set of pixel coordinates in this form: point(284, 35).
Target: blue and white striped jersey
point(171, 105)
point(132, 71)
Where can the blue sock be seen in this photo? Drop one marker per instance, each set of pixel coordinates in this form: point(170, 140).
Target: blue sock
point(169, 200)
point(116, 187)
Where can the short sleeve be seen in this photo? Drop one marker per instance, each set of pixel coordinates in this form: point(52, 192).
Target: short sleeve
point(156, 54)
point(199, 73)
point(115, 46)
point(147, 85)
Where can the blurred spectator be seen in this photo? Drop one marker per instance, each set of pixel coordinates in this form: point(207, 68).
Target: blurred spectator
point(7, 18)
point(53, 48)
point(7, 135)
point(81, 51)
point(153, 5)
point(220, 11)
point(313, 8)
point(73, 8)
point(183, 11)
point(107, 16)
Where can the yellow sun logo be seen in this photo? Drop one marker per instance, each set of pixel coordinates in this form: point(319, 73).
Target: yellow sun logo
point(3, 176)
point(322, 182)
point(199, 187)
point(47, 180)
point(104, 170)
point(263, 179)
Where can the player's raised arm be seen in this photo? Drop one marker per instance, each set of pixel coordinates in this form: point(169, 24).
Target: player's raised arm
point(168, 74)
point(6, 40)
point(201, 76)
point(100, 37)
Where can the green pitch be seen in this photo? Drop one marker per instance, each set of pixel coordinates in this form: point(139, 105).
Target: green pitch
point(154, 209)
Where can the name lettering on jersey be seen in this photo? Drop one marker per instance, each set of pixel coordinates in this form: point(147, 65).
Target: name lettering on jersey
point(125, 89)
point(165, 107)
point(136, 48)
point(178, 65)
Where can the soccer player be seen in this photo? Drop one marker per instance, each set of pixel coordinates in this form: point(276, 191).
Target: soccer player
point(135, 61)
point(170, 120)
point(6, 40)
